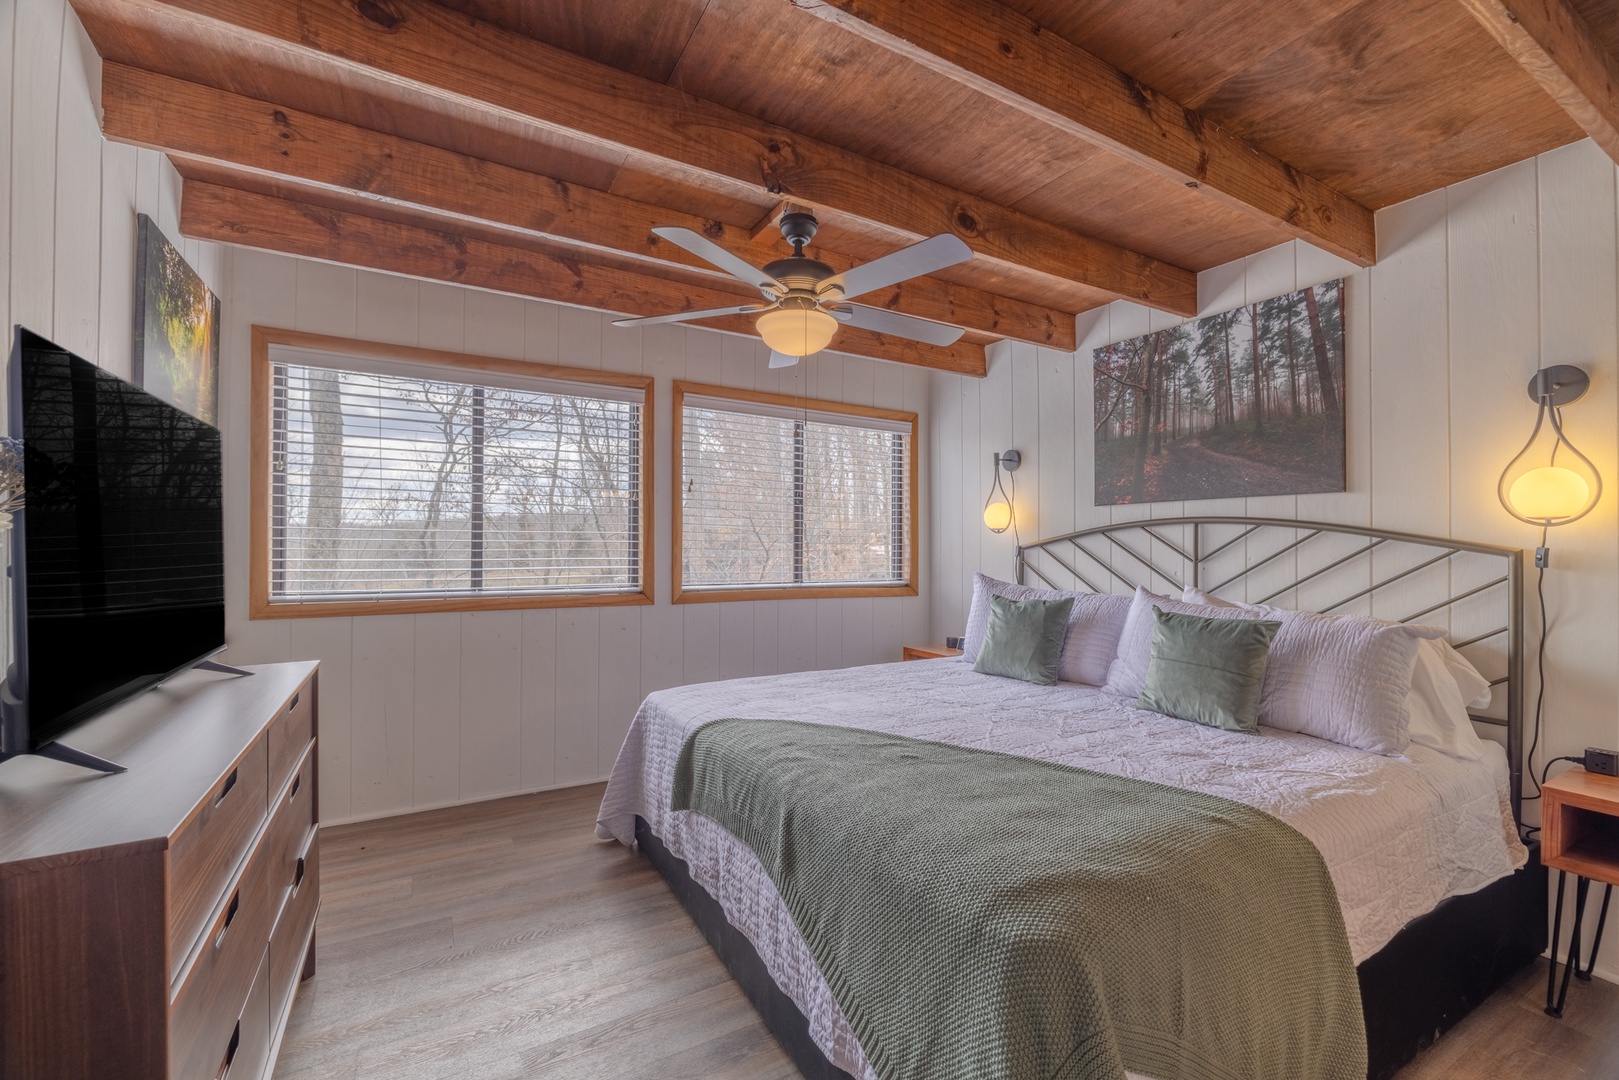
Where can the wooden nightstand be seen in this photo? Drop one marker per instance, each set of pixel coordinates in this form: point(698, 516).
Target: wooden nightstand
point(1579, 815)
point(929, 652)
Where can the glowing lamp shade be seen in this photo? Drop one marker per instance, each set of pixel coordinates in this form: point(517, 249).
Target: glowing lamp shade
point(1550, 482)
point(797, 331)
point(1549, 494)
point(998, 516)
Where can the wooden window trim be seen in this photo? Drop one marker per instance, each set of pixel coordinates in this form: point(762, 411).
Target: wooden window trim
point(719, 594)
point(259, 457)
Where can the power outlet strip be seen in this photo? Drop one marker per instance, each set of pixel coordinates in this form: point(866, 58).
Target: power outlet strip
point(1602, 762)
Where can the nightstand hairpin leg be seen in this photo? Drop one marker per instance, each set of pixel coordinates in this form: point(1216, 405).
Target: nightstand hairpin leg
point(1582, 887)
point(1584, 975)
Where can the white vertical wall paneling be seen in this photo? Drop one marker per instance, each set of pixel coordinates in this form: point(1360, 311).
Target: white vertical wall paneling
point(1411, 391)
point(942, 438)
point(973, 485)
point(1057, 467)
point(115, 345)
point(619, 679)
point(8, 19)
point(35, 80)
point(382, 714)
point(386, 308)
point(538, 719)
point(491, 703)
point(436, 752)
point(735, 640)
point(332, 641)
point(77, 302)
point(1024, 431)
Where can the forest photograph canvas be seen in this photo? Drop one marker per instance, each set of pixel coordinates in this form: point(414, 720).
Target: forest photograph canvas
point(176, 327)
point(1243, 403)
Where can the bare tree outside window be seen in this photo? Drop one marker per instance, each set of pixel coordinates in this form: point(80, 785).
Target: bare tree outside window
point(393, 487)
point(777, 500)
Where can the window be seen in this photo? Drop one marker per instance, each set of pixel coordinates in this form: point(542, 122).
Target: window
point(390, 479)
point(782, 497)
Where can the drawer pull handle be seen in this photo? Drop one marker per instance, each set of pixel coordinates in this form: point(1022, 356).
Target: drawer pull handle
point(230, 1052)
point(297, 782)
point(230, 782)
point(294, 704)
point(298, 875)
point(230, 917)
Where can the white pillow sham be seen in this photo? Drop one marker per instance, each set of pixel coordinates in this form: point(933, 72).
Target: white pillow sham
point(1443, 687)
point(1343, 678)
point(1093, 626)
point(1438, 712)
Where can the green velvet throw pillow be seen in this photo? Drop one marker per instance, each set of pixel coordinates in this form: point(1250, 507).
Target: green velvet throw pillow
point(1208, 671)
point(1024, 639)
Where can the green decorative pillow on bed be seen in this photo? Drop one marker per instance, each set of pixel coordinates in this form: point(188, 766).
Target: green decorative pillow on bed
point(1208, 671)
point(1024, 639)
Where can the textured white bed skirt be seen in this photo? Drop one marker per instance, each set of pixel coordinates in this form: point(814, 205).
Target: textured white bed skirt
point(1399, 834)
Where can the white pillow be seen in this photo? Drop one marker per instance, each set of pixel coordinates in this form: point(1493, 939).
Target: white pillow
point(1438, 712)
point(1093, 626)
point(1477, 693)
point(1343, 678)
point(1443, 687)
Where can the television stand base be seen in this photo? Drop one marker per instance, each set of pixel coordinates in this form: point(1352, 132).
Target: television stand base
point(57, 752)
point(223, 669)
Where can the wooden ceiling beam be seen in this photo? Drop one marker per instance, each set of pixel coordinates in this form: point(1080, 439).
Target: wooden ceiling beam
point(199, 122)
point(420, 48)
point(233, 216)
point(1550, 40)
point(1003, 54)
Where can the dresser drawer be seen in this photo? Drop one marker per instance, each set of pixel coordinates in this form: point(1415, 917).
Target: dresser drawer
point(208, 848)
point(209, 1002)
point(244, 1051)
point(290, 941)
point(289, 733)
point(292, 820)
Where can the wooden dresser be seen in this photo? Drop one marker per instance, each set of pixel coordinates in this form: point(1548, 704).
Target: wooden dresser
point(155, 924)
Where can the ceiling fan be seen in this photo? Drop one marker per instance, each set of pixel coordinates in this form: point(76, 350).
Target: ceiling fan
point(806, 301)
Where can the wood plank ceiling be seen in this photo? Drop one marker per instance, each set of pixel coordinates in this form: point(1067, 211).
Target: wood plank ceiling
point(1086, 152)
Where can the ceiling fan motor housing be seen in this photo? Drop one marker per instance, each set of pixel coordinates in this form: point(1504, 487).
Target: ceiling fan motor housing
point(799, 273)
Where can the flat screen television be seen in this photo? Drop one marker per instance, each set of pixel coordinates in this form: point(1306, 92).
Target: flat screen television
point(117, 573)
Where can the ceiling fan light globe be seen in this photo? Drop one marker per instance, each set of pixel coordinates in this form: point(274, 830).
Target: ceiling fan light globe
point(797, 331)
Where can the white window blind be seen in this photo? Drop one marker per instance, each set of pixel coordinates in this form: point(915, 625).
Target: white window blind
point(394, 480)
point(779, 497)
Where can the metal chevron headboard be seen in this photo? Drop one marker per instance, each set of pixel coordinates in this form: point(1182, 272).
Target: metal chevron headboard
point(1475, 590)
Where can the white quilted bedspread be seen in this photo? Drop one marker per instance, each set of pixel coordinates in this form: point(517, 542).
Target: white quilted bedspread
point(1399, 834)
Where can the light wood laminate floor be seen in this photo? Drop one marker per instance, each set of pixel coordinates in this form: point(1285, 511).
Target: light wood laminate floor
point(502, 940)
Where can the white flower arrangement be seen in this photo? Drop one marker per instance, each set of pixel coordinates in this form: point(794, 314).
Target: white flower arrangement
point(11, 479)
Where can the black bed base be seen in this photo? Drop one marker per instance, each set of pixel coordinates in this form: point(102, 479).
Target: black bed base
point(1433, 973)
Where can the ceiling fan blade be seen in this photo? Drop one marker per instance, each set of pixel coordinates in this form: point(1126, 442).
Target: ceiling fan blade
point(780, 360)
point(704, 248)
point(881, 321)
point(934, 253)
point(687, 316)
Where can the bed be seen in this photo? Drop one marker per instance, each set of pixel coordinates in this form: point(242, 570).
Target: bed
point(1440, 899)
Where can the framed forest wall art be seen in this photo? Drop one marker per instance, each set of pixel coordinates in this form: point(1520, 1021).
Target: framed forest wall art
point(1246, 402)
point(176, 327)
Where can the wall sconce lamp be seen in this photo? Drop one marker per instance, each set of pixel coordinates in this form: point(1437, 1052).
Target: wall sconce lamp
point(998, 513)
point(1550, 482)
